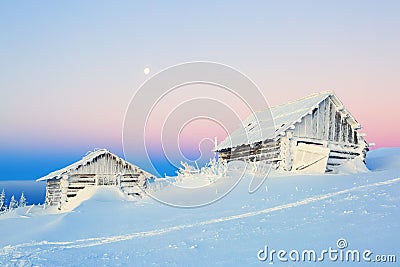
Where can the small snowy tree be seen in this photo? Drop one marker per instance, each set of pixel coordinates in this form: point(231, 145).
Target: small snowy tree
point(2, 201)
point(215, 168)
point(187, 170)
point(13, 203)
point(22, 200)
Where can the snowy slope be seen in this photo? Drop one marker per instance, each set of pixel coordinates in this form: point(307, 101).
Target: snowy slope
point(383, 159)
point(287, 212)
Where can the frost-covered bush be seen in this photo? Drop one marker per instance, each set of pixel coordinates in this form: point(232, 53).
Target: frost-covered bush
point(210, 172)
point(213, 169)
point(187, 170)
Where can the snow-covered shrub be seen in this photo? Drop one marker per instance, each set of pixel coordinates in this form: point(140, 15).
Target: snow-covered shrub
point(187, 170)
point(209, 173)
point(212, 170)
point(215, 168)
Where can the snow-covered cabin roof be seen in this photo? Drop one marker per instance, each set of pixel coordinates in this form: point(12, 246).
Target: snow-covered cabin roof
point(87, 159)
point(274, 121)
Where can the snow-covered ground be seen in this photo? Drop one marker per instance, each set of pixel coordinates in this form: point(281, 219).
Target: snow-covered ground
point(290, 212)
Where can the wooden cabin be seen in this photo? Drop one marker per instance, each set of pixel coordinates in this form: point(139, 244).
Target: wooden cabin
point(98, 168)
point(313, 134)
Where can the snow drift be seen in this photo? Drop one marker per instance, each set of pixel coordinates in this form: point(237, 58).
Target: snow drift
point(287, 212)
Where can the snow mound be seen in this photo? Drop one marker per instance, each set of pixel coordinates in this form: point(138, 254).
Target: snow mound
point(352, 166)
point(194, 181)
point(383, 159)
point(288, 211)
point(97, 194)
point(28, 211)
point(109, 194)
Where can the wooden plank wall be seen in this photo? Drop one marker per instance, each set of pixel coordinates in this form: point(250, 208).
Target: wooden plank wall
point(53, 192)
point(267, 151)
point(328, 122)
point(104, 170)
point(328, 125)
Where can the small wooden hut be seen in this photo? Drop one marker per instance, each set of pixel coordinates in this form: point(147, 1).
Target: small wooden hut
point(97, 168)
point(313, 134)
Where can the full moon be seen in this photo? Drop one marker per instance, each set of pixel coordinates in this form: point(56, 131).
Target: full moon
point(146, 71)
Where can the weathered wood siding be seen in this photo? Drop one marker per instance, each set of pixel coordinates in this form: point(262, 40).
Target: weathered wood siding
point(268, 151)
point(329, 125)
point(53, 192)
point(327, 122)
point(103, 170)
